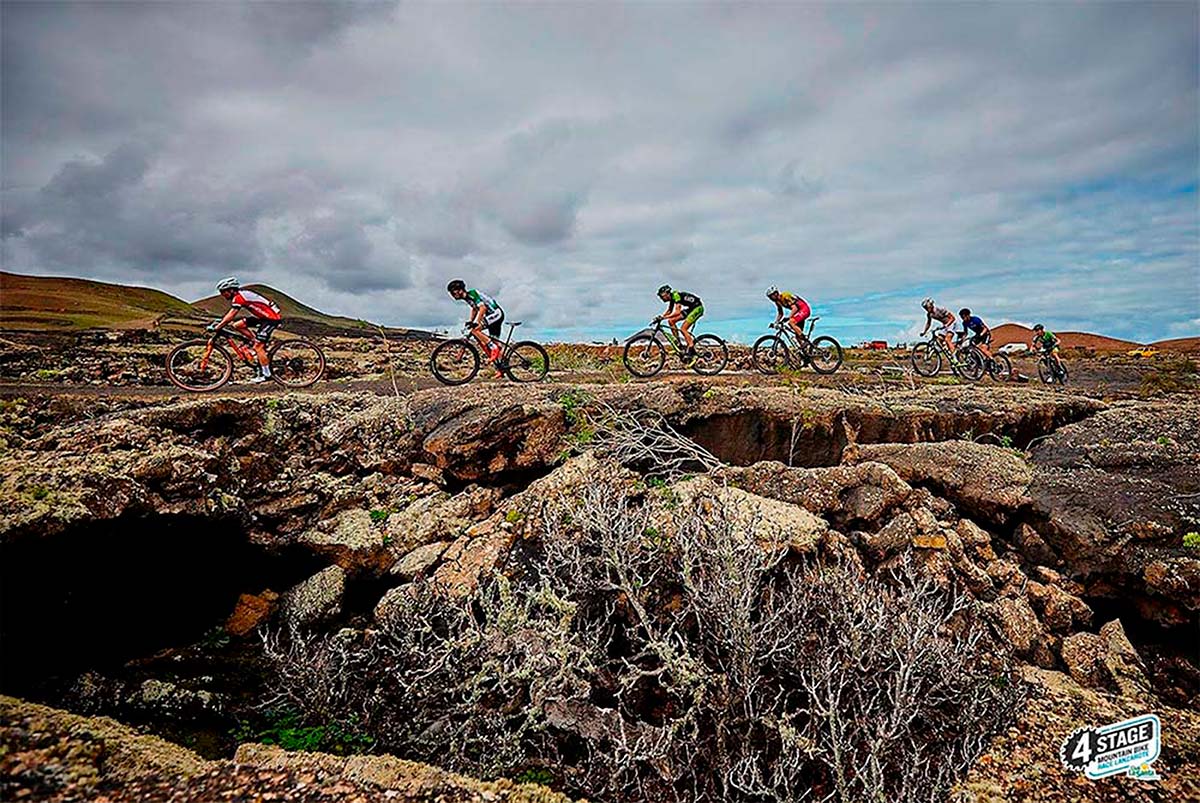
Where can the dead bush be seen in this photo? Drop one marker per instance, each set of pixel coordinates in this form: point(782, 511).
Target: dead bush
point(639, 661)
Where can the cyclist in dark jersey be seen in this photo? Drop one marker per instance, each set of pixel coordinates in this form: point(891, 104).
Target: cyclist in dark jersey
point(980, 334)
point(261, 312)
point(685, 307)
point(1048, 343)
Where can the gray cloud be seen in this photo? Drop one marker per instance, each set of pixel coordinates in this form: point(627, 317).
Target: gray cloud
point(360, 153)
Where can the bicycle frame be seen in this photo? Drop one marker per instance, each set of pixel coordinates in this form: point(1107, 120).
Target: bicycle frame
point(505, 345)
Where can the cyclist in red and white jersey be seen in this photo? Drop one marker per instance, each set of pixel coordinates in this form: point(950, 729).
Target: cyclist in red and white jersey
point(261, 313)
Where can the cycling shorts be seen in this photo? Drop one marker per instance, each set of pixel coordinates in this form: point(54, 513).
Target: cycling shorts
point(800, 312)
point(263, 328)
point(944, 329)
point(694, 314)
point(493, 321)
point(981, 340)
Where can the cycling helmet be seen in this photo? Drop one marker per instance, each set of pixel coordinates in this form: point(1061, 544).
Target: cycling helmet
point(456, 285)
point(965, 311)
point(772, 290)
point(1037, 327)
point(230, 283)
point(926, 302)
point(666, 288)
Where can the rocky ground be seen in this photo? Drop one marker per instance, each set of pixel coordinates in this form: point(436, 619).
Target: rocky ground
point(147, 543)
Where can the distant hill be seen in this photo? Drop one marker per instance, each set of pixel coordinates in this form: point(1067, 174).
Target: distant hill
point(1016, 333)
point(1183, 344)
point(50, 303)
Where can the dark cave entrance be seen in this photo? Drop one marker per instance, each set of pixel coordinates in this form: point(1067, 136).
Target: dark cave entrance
point(103, 593)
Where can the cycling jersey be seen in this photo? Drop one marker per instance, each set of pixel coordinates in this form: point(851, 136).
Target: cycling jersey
point(475, 298)
point(1046, 340)
point(974, 324)
point(687, 301)
point(941, 314)
point(256, 305)
point(789, 299)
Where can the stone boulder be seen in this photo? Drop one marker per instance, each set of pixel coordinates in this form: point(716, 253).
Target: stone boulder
point(315, 600)
point(1107, 662)
point(988, 483)
point(853, 496)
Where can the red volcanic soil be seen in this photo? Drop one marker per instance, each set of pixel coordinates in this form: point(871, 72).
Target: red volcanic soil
point(1183, 344)
point(1016, 333)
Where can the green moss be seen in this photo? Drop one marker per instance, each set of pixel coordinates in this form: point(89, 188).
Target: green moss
point(380, 514)
point(1192, 541)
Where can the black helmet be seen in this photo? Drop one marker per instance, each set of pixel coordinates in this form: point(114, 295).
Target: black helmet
point(964, 311)
point(1037, 327)
point(456, 285)
point(666, 288)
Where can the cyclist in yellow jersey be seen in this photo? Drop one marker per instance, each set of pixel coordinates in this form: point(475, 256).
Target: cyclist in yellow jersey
point(797, 308)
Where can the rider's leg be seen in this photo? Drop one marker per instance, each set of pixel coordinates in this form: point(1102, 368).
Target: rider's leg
point(688, 323)
point(672, 320)
point(796, 323)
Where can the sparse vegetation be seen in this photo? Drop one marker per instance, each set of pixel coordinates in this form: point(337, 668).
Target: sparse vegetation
point(739, 674)
point(380, 514)
point(284, 727)
point(1192, 540)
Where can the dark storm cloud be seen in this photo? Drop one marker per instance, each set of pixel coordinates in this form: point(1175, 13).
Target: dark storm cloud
point(359, 153)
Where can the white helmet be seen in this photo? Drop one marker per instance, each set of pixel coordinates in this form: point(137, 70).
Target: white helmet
point(230, 283)
point(772, 290)
point(926, 302)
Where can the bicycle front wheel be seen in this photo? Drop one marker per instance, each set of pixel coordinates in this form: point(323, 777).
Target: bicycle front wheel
point(926, 359)
point(825, 355)
point(455, 362)
point(1000, 367)
point(770, 354)
point(296, 363)
point(527, 362)
point(199, 365)
point(712, 355)
point(644, 356)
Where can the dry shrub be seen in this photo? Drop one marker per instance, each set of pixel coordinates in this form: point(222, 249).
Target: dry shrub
point(697, 666)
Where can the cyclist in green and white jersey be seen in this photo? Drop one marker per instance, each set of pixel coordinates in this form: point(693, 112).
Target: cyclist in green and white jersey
point(486, 314)
point(685, 307)
point(1046, 341)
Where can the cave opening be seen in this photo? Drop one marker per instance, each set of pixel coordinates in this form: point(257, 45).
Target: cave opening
point(105, 592)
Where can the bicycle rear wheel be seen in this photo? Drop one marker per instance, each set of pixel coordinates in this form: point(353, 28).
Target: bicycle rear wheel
point(825, 355)
point(527, 362)
point(770, 354)
point(969, 364)
point(711, 355)
point(296, 363)
point(926, 359)
point(644, 356)
point(199, 365)
point(454, 362)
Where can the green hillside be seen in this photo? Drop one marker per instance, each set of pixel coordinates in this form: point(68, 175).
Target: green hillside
point(51, 303)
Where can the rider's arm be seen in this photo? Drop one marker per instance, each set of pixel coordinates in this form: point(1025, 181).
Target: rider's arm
point(778, 312)
point(229, 316)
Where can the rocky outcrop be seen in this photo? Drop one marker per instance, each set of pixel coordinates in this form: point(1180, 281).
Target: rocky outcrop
point(316, 600)
point(1117, 493)
point(51, 755)
point(987, 482)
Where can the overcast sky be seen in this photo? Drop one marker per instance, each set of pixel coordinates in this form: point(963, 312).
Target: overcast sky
point(1031, 161)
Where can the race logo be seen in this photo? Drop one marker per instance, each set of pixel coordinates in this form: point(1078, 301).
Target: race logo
point(1128, 747)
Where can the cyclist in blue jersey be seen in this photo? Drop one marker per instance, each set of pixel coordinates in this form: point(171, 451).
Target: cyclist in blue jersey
point(979, 332)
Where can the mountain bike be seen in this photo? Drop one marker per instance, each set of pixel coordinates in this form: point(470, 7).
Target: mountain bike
point(772, 353)
point(206, 364)
point(646, 353)
point(1050, 370)
point(999, 367)
point(455, 362)
point(927, 359)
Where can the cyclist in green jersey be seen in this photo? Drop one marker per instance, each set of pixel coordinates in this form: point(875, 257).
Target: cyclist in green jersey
point(486, 314)
point(685, 307)
point(1046, 342)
